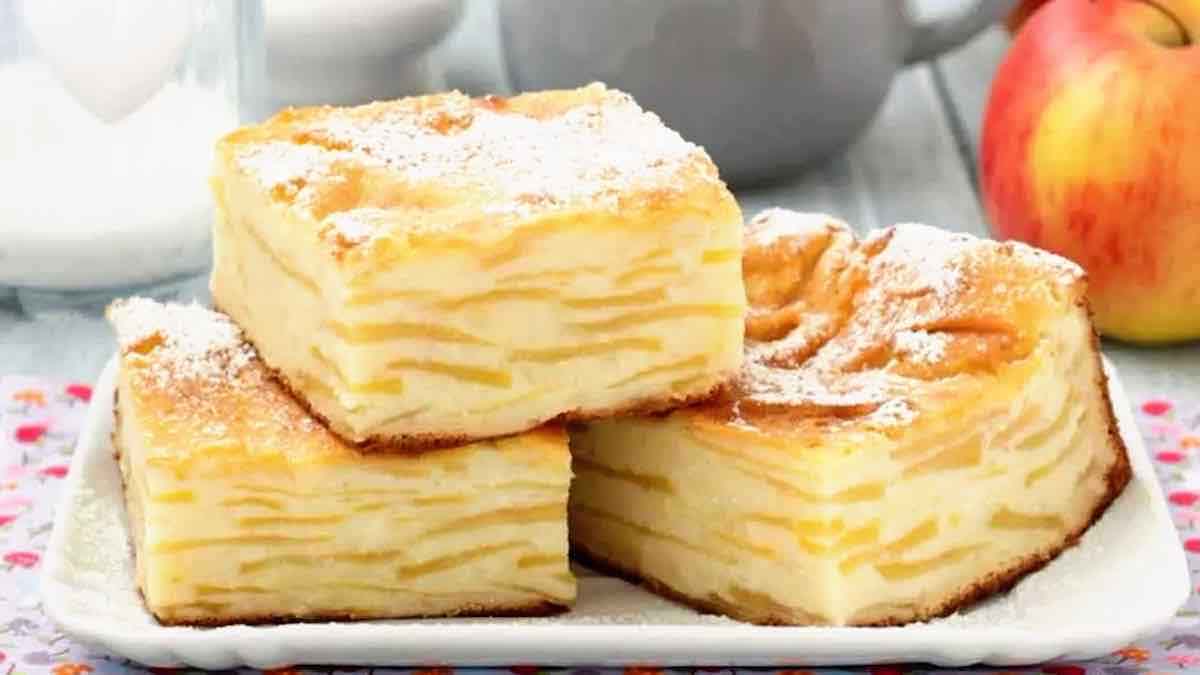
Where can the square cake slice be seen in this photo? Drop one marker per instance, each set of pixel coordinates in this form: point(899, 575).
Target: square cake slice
point(245, 509)
point(439, 269)
point(922, 419)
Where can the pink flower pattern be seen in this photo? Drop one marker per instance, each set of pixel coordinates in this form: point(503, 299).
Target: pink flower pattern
point(30, 433)
point(54, 471)
point(81, 392)
point(1156, 407)
point(36, 442)
point(22, 558)
point(1184, 497)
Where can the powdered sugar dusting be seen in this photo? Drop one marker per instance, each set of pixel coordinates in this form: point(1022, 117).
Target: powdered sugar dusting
point(923, 258)
point(192, 342)
point(776, 224)
point(594, 152)
point(874, 397)
point(290, 168)
point(356, 226)
point(1068, 271)
point(920, 346)
point(201, 357)
point(939, 253)
point(808, 384)
point(849, 331)
point(893, 413)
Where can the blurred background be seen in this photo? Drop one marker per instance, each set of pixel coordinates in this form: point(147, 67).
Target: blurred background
point(119, 103)
point(872, 110)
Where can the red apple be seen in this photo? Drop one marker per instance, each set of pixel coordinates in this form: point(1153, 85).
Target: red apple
point(1091, 149)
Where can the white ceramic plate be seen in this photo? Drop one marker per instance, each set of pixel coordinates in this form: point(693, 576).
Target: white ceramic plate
point(1126, 579)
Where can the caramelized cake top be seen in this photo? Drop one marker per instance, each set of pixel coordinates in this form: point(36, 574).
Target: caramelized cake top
point(451, 166)
point(207, 394)
point(867, 332)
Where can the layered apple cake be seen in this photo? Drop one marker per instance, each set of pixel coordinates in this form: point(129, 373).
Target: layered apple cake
point(439, 269)
point(922, 419)
point(245, 509)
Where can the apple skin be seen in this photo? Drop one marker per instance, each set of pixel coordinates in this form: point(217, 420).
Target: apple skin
point(1091, 149)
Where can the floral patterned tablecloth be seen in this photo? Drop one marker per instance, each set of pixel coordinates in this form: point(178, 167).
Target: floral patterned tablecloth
point(39, 421)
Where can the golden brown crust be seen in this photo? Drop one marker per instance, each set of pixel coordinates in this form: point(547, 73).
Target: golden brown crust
point(532, 609)
point(1116, 478)
point(418, 443)
point(447, 167)
point(654, 405)
point(843, 330)
point(1118, 475)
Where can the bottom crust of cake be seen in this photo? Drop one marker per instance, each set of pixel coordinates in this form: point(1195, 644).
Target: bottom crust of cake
point(533, 609)
point(417, 443)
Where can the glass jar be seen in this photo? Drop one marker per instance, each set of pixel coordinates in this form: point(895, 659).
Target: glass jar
point(110, 112)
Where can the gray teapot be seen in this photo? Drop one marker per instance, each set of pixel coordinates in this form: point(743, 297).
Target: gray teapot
point(767, 86)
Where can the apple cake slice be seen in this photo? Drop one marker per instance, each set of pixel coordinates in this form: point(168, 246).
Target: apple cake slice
point(922, 419)
point(245, 509)
point(439, 269)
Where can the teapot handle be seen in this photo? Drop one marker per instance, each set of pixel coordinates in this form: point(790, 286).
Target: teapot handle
point(951, 26)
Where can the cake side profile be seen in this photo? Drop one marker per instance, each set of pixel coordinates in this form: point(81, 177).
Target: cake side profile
point(438, 269)
point(921, 420)
point(245, 509)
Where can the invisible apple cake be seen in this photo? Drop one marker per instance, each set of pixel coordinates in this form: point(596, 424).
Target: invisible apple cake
point(922, 419)
point(437, 269)
point(245, 509)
